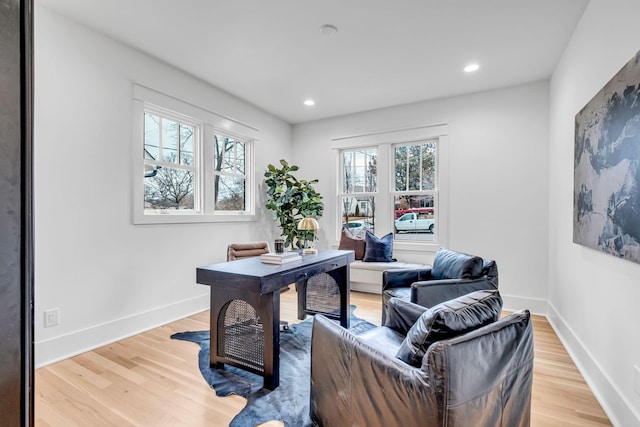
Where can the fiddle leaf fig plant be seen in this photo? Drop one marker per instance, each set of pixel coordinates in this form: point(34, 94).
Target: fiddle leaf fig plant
point(292, 199)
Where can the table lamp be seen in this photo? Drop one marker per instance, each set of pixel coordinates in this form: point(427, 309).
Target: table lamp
point(307, 224)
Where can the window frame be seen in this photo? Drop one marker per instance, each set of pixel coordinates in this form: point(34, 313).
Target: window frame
point(248, 156)
point(196, 167)
point(435, 193)
point(209, 125)
point(342, 193)
point(385, 141)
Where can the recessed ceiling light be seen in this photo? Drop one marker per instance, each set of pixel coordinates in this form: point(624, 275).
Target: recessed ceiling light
point(328, 29)
point(309, 102)
point(471, 68)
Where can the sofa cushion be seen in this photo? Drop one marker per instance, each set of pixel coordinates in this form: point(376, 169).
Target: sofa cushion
point(382, 266)
point(378, 249)
point(449, 264)
point(401, 293)
point(447, 320)
point(354, 242)
point(385, 340)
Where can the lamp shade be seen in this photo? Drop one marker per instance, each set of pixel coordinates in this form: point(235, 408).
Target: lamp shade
point(308, 224)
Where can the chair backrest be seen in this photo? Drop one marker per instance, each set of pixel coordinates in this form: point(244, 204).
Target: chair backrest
point(484, 378)
point(246, 250)
point(490, 271)
point(448, 264)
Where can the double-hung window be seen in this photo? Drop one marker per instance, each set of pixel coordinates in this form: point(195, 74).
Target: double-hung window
point(415, 193)
point(230, 174)
point(190, 164)
point(170, 162)
point(357, 200)
point(395, 182)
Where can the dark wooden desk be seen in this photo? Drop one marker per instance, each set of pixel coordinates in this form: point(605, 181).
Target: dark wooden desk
point(245, 306)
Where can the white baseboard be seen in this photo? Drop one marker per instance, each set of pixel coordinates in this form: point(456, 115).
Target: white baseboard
point(536, 306)
point(615, 405)
point(371, 288)
point(62, 347)
point(510, 303)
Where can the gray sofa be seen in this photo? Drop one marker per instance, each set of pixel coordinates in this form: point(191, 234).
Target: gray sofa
point(451, 365)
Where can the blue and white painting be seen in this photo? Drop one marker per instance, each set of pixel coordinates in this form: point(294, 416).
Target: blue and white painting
point(606, 201)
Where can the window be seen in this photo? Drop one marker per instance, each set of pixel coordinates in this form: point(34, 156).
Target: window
point(230, 174)
point(188, 168)
point(170, 164)
point(415, 192)
point(393, 181)
point(357, 200)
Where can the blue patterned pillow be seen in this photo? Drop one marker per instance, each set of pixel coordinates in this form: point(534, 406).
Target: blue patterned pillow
point(378, 250)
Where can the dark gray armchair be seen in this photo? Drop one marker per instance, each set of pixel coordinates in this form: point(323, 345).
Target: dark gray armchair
point(453, 274)
point(452, 365)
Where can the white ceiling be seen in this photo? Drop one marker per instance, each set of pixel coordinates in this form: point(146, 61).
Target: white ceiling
point(272, 54)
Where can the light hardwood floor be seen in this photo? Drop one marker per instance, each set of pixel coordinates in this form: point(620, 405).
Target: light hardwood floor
point(152, 380)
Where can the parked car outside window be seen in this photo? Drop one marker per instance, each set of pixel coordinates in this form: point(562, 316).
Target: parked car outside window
point(357, 225)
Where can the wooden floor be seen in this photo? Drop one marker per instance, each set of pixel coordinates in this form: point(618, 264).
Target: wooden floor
point(152, 380)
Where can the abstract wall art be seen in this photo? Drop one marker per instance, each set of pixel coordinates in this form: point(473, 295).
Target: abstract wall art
point(606, 200)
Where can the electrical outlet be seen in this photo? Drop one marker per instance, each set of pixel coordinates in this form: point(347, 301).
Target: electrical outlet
point(636, 379)
point(51, 317)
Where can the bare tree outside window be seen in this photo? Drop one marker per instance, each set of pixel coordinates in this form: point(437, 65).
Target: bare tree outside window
point(229, 174)
point(169, 158)
point(359, 183)
point(192, 166)
point(169, 188)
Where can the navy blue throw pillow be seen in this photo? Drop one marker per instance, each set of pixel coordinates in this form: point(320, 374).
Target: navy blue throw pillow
point(378, 250)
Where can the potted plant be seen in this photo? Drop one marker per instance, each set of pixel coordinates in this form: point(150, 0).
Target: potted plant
point(292, 200)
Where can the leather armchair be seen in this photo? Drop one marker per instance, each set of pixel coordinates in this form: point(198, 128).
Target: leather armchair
point(480, 378)
point(453, 274)
point(246, 250)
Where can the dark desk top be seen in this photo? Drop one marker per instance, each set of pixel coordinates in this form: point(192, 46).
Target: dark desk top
point(256, 276)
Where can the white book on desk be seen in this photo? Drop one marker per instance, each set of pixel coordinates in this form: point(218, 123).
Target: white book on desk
point(284, 260)
point(279, 256)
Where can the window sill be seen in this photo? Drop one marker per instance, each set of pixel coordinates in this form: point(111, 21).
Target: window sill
point(190, 218)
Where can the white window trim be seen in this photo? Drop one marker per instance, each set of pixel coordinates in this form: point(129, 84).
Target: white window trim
point(384, 141)
point(210, 124)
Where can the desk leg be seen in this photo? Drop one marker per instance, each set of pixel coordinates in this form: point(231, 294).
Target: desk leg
point(302, 299)
point(269, 311)
point(341, 277)
point(267, 308)
point(216, 304)
point(343, 284)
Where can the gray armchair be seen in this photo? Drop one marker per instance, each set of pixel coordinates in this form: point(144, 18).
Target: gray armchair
point(453, 274)
point(452, 365)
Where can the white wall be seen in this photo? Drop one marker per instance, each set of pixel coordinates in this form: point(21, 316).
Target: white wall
point(108, 277)
point(111, 279)
point(593, 296)
point(498, 178)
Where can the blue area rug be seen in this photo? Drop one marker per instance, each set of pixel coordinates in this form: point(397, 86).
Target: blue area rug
point(290, 401)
